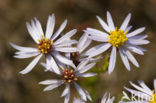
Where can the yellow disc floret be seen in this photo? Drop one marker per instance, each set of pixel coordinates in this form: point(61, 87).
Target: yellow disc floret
point(117, 37)
point(45, 45)
point(153, 98)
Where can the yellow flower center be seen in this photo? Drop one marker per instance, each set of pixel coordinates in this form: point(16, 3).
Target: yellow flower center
point(117, 37)
point(45, 45)
point(153, 98)
point(69, 76)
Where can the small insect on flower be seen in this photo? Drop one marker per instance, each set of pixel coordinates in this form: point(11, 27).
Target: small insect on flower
point(117, 39)
point(69, 76)
point(80, 55)
point(142, 94)
point(47, 45)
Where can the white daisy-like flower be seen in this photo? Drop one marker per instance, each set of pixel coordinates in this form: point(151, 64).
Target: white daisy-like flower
point(107, 99)
point(117, 39)
point(142, 94)
point(70, 76)
point(47, 45)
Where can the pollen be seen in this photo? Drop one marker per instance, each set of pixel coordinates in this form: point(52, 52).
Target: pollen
point(117, 38)
point(45, 45)
point(69, 76)
point(153, 98)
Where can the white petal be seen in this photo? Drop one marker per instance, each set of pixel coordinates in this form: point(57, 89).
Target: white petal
point(99, 39)
point(83, 43)
point(81, 92)
point(137, 93)
point(76, 100)
point(51, 81)
point(112, 60)
point(128, 28)
point(101, 49)
point(66, 36)
point(35, 29)
point(53, 65)
point(61, 28)
point(63, 59)
point(67, 97)
point(66, 49)
point(138, 42)
point(139, 88)
point(136, 32)
point(31, 65)
point(24, 49)
point(126, 22)
point(26, 55)
point(124, 58)
point(87, 95)
point(135, 49)
point(48, 62)
point(131, 58)
point(87, 75)
point(82, 40)
point(32, 32)
point(104, 98)
point(45, 67)
point(66, 43)
point(110, 22)
point(39, 27)
point(66, 90)
point(53, 86)
point(88, 52)
point(87, 67)
point(138, 37)
point(88, 42)
point(82, 64)
point(96, 32)
point(155, 85)
point(103, 24)
point(143, 85)
point(50, 26)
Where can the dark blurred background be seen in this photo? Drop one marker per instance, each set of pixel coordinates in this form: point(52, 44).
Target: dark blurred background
point(17, 88)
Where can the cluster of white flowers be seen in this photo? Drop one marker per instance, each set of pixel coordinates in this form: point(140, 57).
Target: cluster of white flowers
point(70, 59)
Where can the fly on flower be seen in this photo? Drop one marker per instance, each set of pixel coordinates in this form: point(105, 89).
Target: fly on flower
point(47, 44)
point(69, 76)
point(118, 39)
point(142, 94)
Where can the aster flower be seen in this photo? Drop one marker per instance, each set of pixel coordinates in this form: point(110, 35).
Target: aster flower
point(107, 99)
point(47, 45)
point(117, 39)
point(143, 92)
point(70, 76)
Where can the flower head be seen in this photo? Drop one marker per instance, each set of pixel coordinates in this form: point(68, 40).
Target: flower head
point(69, 76)
point(47, 44)
point(142, 93)
point(118, 39)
